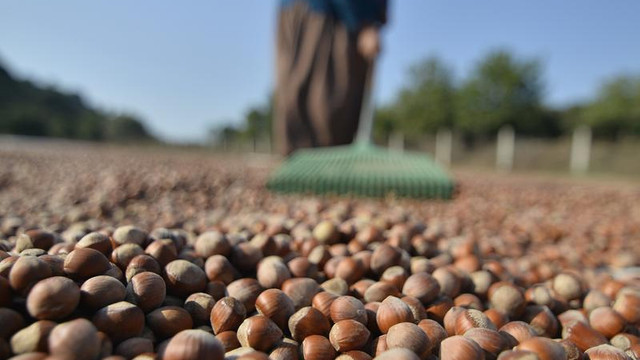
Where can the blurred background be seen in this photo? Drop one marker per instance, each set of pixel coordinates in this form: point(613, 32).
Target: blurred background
point(528, 86)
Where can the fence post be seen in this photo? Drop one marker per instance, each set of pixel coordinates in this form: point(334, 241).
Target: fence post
point(580, 149)
point(444, 146)
point(396, 141)
point(505, 148)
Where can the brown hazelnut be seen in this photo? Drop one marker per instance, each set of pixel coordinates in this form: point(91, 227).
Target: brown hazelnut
point(606, 352)
point(147, 290)
point(417, 309)
point(227, 314)
point(606, 321)
point(56, 264)
point(360, 288)
point(582, 335)
point(140, 264)
point(542, 320)
point(439, 308)
point(518, 355)
point(627, 304)
point(285, 350)
point(26, 272)
point(317, 347)
point(164, 251)
point(121, 320)
point(11, 321)
point(393, 311)
point(471, 318)
point(322, 301)
point(490, 341)
point(124, 253)
point(33, 338)
point(100, 291)
point(168, 321)
point(398, 354)
point(350, 270)
point(468, 301)
point(129, 234)
point(567, 285)
point(421, 264)
point(449, 282)
point(336, 286)
point(218, 268)
point(41, 239)
point(259, 332)
point(409, 336)
point(85, 263)
point(319, 255)
point(354, 355)
point(595, 299)
point(571, 315)
point(76, 339)
point(395, 275)
point(53, 298)
point(434, 331)
point(326, 233)
point(301, 291)
point(347, 335)
point(384, 257)
point(276, 305)
point(229, 340)
point(308, 321)
point(246, 290)
point(106, 346)
point(460, 348)
point(96, 241)
point(496, 317)
point(302, 267)
point(507, 298)
point(272, 272)
point(199, 306)
point(624, 341)
point(194, 345)
point(379, 291)
point(183, 278)
point(212, 243)
point(245, 257)
point(450, 319)
point(331, 266)
point(133, 347)
point(517, 331)
point(348, 307)
point(217, 289)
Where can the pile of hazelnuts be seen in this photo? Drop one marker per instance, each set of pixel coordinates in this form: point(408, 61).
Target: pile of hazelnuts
point(338, 291)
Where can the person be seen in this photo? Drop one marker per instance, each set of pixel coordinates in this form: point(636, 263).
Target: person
point(324, 51)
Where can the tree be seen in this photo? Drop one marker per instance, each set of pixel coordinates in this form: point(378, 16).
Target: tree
point(126, 128)
point(427, 103)
point(616, 109)
point(503, 90)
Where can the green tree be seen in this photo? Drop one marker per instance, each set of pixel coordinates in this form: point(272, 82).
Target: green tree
point(503, 90)
point(616, 109)
point(427, 103)
point(126, 128)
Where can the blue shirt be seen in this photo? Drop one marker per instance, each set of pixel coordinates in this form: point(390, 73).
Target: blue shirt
point(353, 13)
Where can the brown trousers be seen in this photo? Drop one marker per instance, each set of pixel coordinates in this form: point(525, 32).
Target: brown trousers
point(320, 81)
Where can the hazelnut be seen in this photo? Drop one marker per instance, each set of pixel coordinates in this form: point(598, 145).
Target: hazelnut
point(229, 340)
point(409, 336)
point(439, 308)
point(129, 234)
point(121, 320)
point(496, 317)
point(218, 268)
point(133, 347)
point(606, 352)
point(276, 305)
point(26, 272)
point(518, 355)
point(259, 332)
point(245, 257)
point(595, 299)
point(451, 318)
point(317, 347)
point(354, 355)
point(322, 301)
point(360, 288)
point(567, 285)
point(392, 311)
point(147, 290)
point(319, 255)
point(468, 301)
point(624, 341)
point(348, 307)
point(379, 345)
point(582, 335)
point(33, 338)
point(246, 290)
point(460, 348)
point(6, 264)
point(507, 298)
point(627, 304)
point(449, 282)
point(331, 266)
point(384, 257)
point(41, 239)
point(168, 321)
point(325, 233)
point(265, 243)
point(399, 354)
point(11, 322)
point(96, 241)
point(489, 340)
point(164, 251)
point(217, 289)
point(542, 320)
point(76, 339)
point(56, 264)
point(546, 349)
point(308, 321)
point(301, 291)
point(53, 298)
point(482, 281)
point(517, 331)
point(272, 272)
point(347, 335)
point(285, 350)
point(379, 291)
point(140, 264)
point(100, 291)
point(571, 315)
point(199, 306)
point(336, 286)
point(421, 264)
point(606, 321)
point(183, 278)
point(350, 270)
point(417, 309)
point(194, 345)
point(395, 275)
point(301, 267)
point(434, 331)
point(211, 243)
point(106, 346)
point(227, 314)
point(85, 263)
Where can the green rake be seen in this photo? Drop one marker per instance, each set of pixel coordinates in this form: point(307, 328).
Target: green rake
point(362, 169)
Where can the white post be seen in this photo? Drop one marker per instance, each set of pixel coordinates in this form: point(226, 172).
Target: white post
point(505, 148)
point(581, 149)
point(444, 146)
point(396, 141)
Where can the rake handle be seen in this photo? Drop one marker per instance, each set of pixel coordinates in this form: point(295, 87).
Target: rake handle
point(365, 126)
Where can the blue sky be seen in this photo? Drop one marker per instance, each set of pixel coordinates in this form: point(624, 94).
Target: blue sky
point(187, 66)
